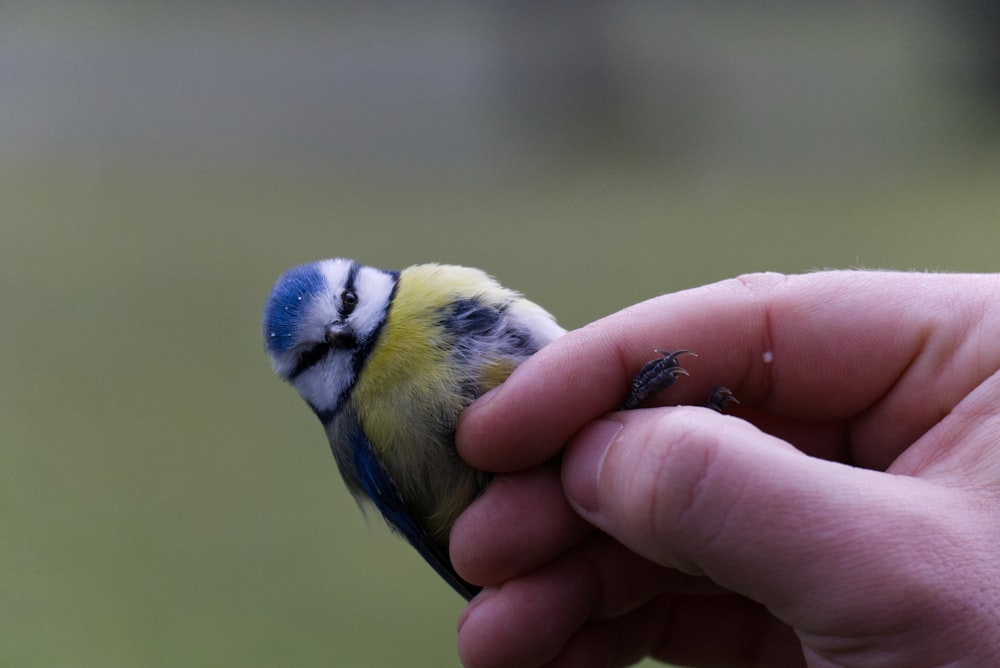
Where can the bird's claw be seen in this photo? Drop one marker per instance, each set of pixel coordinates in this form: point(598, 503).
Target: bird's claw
point(658, 374)
point(720, 399)
point(654, 376)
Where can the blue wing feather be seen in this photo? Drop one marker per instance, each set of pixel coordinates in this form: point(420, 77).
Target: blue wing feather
point(379, 487)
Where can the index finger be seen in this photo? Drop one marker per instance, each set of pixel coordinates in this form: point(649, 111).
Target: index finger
point(823, 346)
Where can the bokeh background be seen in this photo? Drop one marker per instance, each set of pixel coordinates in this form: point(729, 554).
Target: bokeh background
point(166, 501)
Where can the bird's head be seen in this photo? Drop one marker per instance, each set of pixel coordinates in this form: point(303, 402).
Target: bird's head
point(320, 322)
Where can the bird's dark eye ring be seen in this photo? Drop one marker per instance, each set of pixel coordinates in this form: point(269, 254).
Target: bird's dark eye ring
point(348, 300)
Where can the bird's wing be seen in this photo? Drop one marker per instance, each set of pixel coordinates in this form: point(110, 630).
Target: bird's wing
point(379, 487)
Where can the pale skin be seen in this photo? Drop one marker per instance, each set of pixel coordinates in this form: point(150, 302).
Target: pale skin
point(846, 513)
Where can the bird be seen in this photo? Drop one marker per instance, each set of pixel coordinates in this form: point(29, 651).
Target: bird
point(388, 360)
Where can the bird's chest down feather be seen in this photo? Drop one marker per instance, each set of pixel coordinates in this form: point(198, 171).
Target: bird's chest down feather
point(408, 406)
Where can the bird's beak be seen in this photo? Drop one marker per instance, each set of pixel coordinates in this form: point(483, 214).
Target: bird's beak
point(340, 335)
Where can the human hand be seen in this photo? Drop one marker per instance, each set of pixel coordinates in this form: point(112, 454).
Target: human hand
point(852, 518)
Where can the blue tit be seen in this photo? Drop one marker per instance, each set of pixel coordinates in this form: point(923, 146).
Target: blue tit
point(389, 359)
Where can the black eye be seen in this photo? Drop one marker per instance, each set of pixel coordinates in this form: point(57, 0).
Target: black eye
point(348, 300)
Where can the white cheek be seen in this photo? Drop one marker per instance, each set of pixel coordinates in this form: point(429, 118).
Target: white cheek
point(323, 384)
point(375, 289)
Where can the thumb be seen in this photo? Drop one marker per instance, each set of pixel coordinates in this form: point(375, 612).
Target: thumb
point(712, 495)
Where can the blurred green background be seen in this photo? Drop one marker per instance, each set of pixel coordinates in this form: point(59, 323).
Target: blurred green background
point(166, 501)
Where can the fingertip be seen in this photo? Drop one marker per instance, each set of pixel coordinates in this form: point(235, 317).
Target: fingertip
point(528, 620)
point(472, 433)
point(583, 461)
point(519, 523)
point(484, 594)
point(526, 420)
point(514, 426)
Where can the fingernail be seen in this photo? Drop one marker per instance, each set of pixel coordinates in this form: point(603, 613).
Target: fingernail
point(582, 463)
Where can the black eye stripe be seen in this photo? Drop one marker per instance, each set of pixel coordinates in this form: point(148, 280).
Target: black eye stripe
point(309, 358)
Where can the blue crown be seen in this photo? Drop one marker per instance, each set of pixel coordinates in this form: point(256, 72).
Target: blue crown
point(289, 300)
